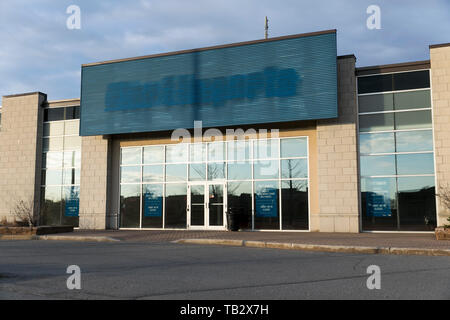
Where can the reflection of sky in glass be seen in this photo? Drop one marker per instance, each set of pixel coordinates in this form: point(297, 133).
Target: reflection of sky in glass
point(130, 174)
point(176, 189)
point(294, 168)
point(377, 165)
point(376, 143)
point(415, 163)
point(299, 185)
point(239, 170)
point(197, 171)
point(266, 169)
point(130, 190)
point(414, 141)
point(264, 149)
point(153, 190)
point(238, 150)
point(53, 177)
point(239, 187)
point(412, 184)
point(197, 152)
point(53, 193)
point(176, 172)
point(152, 173)
point(413, 120)
point(293, 147)
point(216, 151)
point(53, 159)
point(176, 153)
point(153, 154)
point(216, 170)
point(131, 156)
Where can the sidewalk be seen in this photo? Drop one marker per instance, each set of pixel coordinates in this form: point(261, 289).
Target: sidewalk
point(385, 243)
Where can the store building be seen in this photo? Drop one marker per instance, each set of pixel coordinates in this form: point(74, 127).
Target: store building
point(282, 131)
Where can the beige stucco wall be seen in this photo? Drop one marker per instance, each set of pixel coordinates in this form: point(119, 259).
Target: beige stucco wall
point(94, 188)
point(440, 86)
point(20, 151)
point(337, 159)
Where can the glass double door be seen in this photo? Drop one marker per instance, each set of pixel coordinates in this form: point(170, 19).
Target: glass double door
point(206, 205)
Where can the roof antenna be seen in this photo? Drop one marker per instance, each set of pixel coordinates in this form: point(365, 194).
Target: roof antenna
point(267, 28)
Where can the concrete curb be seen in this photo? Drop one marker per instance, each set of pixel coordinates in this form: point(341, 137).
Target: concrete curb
point(319, 247)
point(60, 238)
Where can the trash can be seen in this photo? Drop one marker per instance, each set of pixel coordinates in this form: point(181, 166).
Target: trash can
point(233, 216)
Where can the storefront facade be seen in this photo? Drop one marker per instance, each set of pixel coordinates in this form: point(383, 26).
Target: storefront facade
point(281, 131)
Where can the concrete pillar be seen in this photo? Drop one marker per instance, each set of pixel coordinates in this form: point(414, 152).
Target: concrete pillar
point(21, 152)
point(94, 182)
point(440, 88)
point(337, 159)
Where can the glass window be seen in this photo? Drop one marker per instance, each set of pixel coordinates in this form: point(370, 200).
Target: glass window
point(413, 120)
point(265, 149)
point(216, 151)
point(421, 163)
point(216, 170)
point(412, 100)
point(294, 168)
point(52, 144)
point(53, 160)
point(176, 172)
point(198, 152)
point(266, 205)
point(131, 156)
point(130, 174)
point(176, 153)
point(72, 113)
point(376, 122)
point(130, 195)
point(153, 154)
point(71, 205)
point(51, 207)
point(377, 165)
point(72, 142)
point(297, 147)
point(152, 206)
point(52, 177)
point(294, 197)
point(240, 200)
point(417, 203)
point(153, 173)
point(72, 159)
point(376, 143)
point(197, 171)
point(239, 170)
point(238, 150)
point(266, 169)
point(376, 102)
point(71, 127)
point(410, 141)
point(71, 176)
point(378, 83)
point(379, 203)
point(54, 129)
point(175, 207)
point(53, 114)
point(411, 80)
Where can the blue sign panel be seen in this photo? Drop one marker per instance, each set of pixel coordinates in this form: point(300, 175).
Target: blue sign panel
point(153, 205)
point(286, 79)
point(378, 201)
point(72, 202)
point(266, 202)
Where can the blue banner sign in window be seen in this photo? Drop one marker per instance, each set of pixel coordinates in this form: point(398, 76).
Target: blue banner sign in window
point(153, 204)
point(72, 202)
point(275, 80)
point(266, 202)
point(378, 201)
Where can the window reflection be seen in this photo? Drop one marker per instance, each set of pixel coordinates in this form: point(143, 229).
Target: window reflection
point(414, 141)
point(294, 147)
point(240, 200)
point(294, 168)
point(377, 165)
point(376, 143)
point(294, 197)
point(239, 171)
point(422, 163)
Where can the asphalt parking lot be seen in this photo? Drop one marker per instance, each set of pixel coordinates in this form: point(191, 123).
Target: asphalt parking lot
point(126, 270)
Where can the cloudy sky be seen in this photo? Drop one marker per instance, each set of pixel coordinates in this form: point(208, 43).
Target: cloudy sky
point(39, 53)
